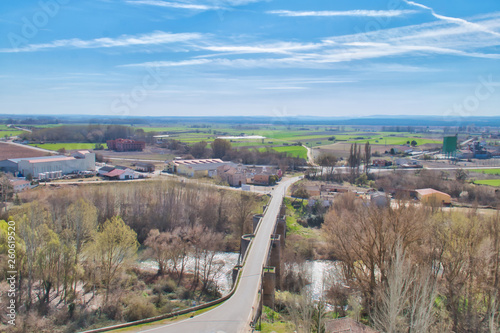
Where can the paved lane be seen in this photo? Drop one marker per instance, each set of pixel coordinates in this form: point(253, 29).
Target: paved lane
point(234, 315)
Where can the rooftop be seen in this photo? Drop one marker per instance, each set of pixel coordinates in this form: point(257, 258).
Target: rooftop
point(427, 191)
point(195, 162)
point(114, 173)
point(17, 160)
point(44, 160)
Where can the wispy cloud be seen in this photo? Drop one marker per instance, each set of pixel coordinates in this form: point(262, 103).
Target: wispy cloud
point(349, 13)
point(471, 25)
point(154, 38)
point(157, 64)
point(283, 88)
point(435, 38)
point(168, 4)
point(193, 4)
point(275, 48)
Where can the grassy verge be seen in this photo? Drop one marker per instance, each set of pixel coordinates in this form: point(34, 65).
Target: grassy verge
point(273, 322)
point(166, 321)
point(294, 227)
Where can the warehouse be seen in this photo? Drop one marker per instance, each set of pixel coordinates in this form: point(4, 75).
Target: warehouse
point(195, 168)
point(33, 166)
point(432, 196)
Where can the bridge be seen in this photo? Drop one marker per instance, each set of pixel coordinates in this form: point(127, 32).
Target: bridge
point(255, 281)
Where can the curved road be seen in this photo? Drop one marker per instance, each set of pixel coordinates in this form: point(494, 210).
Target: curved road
point(235, 314)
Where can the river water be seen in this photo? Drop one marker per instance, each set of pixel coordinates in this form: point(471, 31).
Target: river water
point(320, 273)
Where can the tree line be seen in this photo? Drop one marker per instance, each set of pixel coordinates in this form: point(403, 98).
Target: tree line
point(416, 269)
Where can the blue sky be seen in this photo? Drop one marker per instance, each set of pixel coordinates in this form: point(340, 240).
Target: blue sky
point(250, 57)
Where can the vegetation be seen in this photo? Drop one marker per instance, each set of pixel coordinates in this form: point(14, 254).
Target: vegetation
point(381, 248)
point(490, 182)
point(76, 250)
point(66, 146)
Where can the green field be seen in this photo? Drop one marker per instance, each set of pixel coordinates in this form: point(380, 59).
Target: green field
point(295, 151)
point(67, 146)
point(490, 182)
point(9, 133)
point(487, 171)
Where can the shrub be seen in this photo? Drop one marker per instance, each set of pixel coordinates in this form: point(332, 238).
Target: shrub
point(138, 308)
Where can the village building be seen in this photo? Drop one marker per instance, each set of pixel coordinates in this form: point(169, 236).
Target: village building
point(20, 185)
point(144, 167)
point(233, 175)
point(195, 168)
point(34, 166)
point(119, 174)
point(432, 196)
point(126, 145)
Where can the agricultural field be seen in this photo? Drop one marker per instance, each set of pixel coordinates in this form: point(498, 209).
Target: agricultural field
point(9, 133)
point(486, 171)
point(490, 182)
point(295, 151)
point(67, 146)
point(8, 150)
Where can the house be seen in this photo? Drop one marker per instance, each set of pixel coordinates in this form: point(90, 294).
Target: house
point(430, 196)
point(381, 163)
point(265, 175)
point(332, 188)
point(145, 167)
point(346, 325)
point(105, 169)
point(20, 185)
point(33, 166)
point(233, 175)
point(126, 145)
point(118, 174)
point(195, 168)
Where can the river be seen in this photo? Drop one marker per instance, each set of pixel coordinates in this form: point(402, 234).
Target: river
point(320, 273)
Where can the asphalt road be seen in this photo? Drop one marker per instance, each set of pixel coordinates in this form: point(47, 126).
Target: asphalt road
point(234, 315)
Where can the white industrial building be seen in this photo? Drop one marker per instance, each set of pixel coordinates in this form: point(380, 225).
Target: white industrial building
point(51, 165)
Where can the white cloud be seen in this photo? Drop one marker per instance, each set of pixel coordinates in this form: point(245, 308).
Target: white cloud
point(470, 25)
point(364, 13)
point(157, 64)
point(435, 38)
point(154, 38)
point(171, 4)
point(276, 48)
point(283, 88)
point(193, 4)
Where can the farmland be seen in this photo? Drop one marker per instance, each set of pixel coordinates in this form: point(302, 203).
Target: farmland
point(67, 146)
point(487, 171)
point(280, 138)
point(9, 133)
point(17, 151)
point(490, 182)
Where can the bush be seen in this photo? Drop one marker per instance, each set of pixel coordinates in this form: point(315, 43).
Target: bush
point(138, 308)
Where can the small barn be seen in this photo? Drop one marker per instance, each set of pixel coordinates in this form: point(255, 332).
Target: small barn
point(432, 196)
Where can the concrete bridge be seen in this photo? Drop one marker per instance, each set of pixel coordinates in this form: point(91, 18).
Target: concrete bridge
point(271, 278)
point(255, 281)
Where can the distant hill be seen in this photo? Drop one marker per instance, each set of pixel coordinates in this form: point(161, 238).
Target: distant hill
point(298, 120)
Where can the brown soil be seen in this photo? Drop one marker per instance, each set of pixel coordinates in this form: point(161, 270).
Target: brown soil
point(8, 151)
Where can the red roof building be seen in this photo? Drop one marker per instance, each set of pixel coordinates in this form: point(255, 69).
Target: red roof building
point(126, 145)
